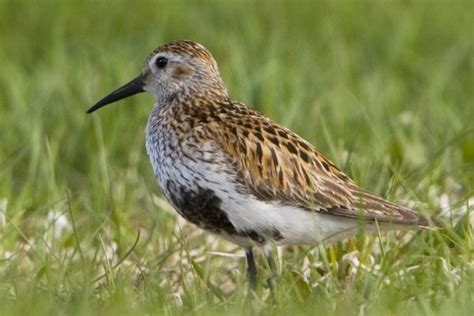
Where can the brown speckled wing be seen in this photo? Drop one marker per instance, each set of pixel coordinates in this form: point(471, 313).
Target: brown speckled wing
point(278, 165)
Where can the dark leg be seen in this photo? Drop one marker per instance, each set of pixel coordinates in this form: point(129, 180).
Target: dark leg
point(251, 268)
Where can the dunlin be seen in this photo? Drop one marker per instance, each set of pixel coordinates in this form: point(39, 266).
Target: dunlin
point(236, 173)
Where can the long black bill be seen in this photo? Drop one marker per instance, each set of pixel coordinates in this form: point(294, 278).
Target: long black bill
point(133, 87)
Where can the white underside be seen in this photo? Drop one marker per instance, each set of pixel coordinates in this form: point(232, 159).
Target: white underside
point(296, 225)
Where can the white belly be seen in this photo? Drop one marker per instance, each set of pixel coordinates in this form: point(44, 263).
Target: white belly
point(296, 225)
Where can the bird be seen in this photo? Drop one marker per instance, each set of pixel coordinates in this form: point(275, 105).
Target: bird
point(236, 173)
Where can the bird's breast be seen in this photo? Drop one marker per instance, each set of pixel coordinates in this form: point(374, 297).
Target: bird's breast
point(164, 148)
point(190, 173)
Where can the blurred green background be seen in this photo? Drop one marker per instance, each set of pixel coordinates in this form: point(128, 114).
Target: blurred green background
point(384, 88)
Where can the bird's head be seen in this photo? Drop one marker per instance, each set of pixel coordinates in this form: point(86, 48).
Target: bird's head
point(181, 67)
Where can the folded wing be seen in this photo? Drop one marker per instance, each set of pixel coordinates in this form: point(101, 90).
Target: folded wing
point(278, 165)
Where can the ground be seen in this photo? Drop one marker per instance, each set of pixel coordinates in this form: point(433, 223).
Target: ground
point(383, 88)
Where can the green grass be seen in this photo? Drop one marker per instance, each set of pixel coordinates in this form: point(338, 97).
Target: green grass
point(384, 88)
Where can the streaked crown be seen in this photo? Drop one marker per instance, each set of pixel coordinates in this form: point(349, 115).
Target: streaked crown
point(186, 48)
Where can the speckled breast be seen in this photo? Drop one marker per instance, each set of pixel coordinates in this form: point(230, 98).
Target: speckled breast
point(185, 172)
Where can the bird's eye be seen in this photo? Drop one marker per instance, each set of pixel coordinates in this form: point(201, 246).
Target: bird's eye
point(161, 62)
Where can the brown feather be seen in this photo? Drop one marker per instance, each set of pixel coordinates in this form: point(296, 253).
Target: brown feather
point(276, 164)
